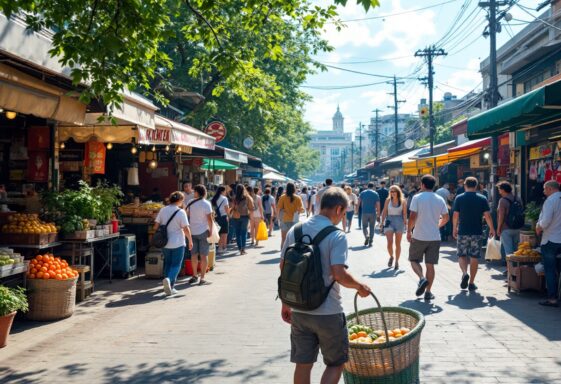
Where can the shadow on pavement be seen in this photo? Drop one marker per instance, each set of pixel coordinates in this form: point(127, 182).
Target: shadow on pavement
point(179, 371)
point(471, 300)
point(270, 252)
point(388, 272)
point(425, 307)
point(275, 260)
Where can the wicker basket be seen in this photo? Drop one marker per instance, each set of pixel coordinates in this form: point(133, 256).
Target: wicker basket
point(392, 362)
point(51, 299)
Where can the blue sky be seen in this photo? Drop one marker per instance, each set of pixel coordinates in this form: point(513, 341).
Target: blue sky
point(389, 44)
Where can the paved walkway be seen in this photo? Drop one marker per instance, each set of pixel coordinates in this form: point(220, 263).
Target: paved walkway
point(231, 331)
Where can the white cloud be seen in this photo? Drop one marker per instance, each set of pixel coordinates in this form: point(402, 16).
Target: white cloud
point(465, 80)
point(320, 110)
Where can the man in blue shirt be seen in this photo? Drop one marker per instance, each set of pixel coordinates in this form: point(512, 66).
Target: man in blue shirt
point(369, 202)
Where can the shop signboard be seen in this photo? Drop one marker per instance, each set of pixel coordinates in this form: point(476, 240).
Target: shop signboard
point(38, 138)
point(541, 151)
point(236, 156)
point(191, 140)
point(38, 167)
point(216, 129)
point(158, 136)
point(95, 157)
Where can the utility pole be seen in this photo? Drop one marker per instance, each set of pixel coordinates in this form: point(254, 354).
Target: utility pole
point(376, 132)
point(430, 53)
point(360, 145)
point(493, 91)
point(352, 156)
point(395, 108)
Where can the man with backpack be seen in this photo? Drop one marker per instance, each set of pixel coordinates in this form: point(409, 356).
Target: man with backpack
point(510, 219)
point(313, 267)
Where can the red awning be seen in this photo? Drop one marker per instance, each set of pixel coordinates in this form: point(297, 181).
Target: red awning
point(460, 128)
point(480, 143)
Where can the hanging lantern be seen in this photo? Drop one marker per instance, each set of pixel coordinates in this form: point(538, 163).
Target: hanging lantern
point(153, 164)
point(134, 150)
point(11, 115)
point(153, 148)
point(109, 145)
point(62, 145)
point(167, 148)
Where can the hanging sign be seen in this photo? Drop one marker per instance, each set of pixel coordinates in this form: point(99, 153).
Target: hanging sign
point(38, 167)
point(38, 138)
point(541, 151)
point(158, 136)
point(216, 129)
point(95, 157)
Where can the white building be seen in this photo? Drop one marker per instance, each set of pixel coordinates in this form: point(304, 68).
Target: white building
point(406, 125)
point(334, 147)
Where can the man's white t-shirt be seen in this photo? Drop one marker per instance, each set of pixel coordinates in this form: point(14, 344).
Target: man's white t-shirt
point(176, 237)
point(318, 198)
point(429, 207)
point(444, 193)
point(198, 216)
point(222, 203)
point(304, 197)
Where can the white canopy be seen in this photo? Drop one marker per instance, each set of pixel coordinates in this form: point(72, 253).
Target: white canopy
point(274, 177)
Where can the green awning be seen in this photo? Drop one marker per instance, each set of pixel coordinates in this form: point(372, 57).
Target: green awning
point(538, 107)
point(217, 165)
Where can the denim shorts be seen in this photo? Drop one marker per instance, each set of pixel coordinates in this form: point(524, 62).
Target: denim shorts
point(200, 244)
point(396, 224)
point(286, 225)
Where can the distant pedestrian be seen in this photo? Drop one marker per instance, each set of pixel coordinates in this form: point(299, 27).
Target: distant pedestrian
point(351, 209)
point(549, 227)
point(199, 212)
point(394, 217)
point(428, 214)
point(289, 209)
point(177, 225)
point(188, 193)
point(269, 209)
point(312, 208)
point(305, 196)
point(369, 201)
point(507, 229)
point(444, 192)
point(242, 206)
point(256, 214)
point(469, 210)
point(221, 208)
point(460, 188)
point(324, 328)
point(319, 194)
point(483, 191)
point(383, 193)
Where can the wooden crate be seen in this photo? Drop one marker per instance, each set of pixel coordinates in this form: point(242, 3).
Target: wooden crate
point(24, 239)
point(80, 235)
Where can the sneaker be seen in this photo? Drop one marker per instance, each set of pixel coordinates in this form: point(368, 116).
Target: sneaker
point(173, 291)
point(422, 286)
point(193, 280)
point(464, 283)
point(472, 287)
point(370, 243)
point(429, 296)
point(204, 282)
point(167, 286)
point(366, 241)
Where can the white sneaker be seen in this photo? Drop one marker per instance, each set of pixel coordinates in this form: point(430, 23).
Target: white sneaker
point(167, 286)
point(173, 291)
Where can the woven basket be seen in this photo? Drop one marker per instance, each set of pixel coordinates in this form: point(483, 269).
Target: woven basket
point(51, 299)
point(392, 362)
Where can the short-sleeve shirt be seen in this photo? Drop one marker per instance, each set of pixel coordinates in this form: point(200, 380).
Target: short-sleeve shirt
point(368, 200)
point(304, 197)
point(383, 193)
point(352, 202)
point(222, 205)
point(268, 202)
point(429, 207)
point(176, 237)
point(333, 251)
point(290, 208)
point(504, 206)
point(198, 215)
point(471, 206)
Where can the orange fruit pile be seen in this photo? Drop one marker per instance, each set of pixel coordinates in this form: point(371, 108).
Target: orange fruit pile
point(50, 267)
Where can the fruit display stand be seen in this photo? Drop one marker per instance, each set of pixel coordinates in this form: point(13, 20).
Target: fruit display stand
point(520, 269)
point(383, 358)
point(11, 265)
point(139, 220)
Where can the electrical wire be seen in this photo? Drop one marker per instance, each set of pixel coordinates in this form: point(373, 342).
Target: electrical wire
point(367, 61)
point(336, 87)
point(398, 13)
point(363, 73)
point(537, 18)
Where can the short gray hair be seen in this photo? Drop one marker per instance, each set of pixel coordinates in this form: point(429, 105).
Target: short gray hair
point(552, 184)
point(334, 197)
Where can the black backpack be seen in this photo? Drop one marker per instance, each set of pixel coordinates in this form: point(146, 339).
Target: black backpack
point(160, 238)
point(515, 217)
point(301, 285)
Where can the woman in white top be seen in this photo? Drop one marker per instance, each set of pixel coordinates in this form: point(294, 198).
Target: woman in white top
point(305, 200)
point(394, 217)
point(177, 224)
point(256, 214)
point(351, 209)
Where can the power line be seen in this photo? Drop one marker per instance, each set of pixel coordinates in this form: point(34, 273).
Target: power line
point(538, 19)
point(335, 87)
point(367, 61)
point(398, 13)
point(362, 73)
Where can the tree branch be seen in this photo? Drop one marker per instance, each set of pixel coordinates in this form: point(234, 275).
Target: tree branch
point(200, 16)
point(94, 10)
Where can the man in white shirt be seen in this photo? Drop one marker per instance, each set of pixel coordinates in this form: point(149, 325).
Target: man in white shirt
point(429, 213)
point(188, 193)
point(549, 226)
point(328, 183)
point(444, 192)
point(199, 211)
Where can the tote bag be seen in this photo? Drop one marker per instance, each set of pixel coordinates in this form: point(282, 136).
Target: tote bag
point(493, 251)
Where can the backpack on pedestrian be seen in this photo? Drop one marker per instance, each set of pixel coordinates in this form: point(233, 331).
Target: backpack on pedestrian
point(160, 238)
point(301, 285)
point(515, 218)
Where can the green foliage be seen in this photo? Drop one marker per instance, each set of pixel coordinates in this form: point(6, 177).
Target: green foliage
point(12, 299)
point(532, 211)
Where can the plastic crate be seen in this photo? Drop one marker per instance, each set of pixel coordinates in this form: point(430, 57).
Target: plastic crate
point(124, 254)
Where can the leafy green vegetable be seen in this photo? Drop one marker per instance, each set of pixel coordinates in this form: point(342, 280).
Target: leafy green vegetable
point(12, 299)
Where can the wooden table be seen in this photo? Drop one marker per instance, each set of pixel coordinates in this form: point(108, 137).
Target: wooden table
point(522, 274)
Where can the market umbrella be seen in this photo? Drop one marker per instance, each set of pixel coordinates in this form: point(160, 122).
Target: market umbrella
point(217, 165)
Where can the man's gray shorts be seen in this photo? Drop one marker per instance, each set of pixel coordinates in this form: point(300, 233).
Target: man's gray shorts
point(200, 244)
point(310, 333)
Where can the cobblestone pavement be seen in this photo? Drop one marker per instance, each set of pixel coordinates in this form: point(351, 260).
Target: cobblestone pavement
point(231, 331)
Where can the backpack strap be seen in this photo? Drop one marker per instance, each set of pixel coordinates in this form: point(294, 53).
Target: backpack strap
point(172, 216)
point(323, 234)
point(298, 232)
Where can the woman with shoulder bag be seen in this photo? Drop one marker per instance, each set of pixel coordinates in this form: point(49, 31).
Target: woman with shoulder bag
point(289, 209)
point(241, 208)
point(221, 208)
point(394, 217)
point(177, 226)
point(256, 214)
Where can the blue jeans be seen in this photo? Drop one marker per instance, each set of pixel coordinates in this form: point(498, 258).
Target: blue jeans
point(173, 260)
point(509, 241)
point(359, 216)
point(350, 215)
point(550, 265)
point(240, 226)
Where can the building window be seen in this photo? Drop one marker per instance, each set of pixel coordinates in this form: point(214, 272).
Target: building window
point(323, 149)
point(334, 151)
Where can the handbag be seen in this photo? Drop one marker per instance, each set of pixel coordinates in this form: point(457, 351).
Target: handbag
point(214, 237)
point(262, 232)
point(160, 238)
point(493, 251)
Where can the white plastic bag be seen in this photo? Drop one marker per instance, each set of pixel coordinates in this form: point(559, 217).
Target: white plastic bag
point(214, 237)
point(493, 251)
